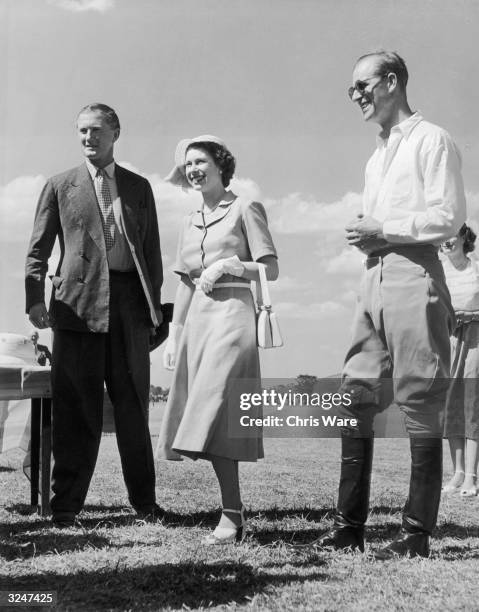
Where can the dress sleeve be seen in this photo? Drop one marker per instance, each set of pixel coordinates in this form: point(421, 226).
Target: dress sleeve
point(255, 227)
point(180, 266)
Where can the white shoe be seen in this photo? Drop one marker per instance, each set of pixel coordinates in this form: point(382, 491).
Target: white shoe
point(228, 535)
point(469, 491)
point(451, 488)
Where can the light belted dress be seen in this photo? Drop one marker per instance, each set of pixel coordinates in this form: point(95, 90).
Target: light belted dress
point(218, 343)
point(462, 404)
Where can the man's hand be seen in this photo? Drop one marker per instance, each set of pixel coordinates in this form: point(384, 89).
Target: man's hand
point(371, 246)
point(38, 316)
point(365, 233)
point(159, 316)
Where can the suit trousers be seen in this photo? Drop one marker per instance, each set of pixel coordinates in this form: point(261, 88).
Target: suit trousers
point(401, 331)
point(81, 364)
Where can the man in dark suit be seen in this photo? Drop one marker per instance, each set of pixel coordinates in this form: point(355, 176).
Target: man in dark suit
point(42, 352)
point(105, 303)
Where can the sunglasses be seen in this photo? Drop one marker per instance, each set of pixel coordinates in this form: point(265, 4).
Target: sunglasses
point(360, 86)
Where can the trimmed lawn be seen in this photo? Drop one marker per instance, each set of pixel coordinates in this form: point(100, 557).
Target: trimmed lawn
point(113, 563)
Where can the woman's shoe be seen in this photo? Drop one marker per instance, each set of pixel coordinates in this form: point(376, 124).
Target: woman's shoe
point(469, 491)
point(454, 484)
point(228, 535)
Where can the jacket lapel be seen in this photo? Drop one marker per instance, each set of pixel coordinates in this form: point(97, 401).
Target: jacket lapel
point(128, 193)
point(85, 205)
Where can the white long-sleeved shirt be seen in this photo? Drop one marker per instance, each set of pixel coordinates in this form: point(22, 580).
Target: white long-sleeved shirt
point(413, 184)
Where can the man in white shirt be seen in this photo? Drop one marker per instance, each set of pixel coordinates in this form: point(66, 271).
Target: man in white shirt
point(413, 201)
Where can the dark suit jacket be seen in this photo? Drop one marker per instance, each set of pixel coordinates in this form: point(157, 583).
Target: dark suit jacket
point(68, 208)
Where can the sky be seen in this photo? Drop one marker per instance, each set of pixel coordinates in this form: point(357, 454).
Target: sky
point(270, 78)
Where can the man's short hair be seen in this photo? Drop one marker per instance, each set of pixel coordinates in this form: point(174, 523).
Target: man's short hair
point(110, 116)
point(390, 61)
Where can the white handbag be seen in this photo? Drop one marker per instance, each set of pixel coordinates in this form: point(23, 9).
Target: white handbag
point(267, 328)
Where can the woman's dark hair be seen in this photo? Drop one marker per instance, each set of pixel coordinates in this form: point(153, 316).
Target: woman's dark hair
point(221, 156)
point(469, 238)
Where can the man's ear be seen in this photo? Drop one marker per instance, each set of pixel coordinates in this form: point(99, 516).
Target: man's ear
point(116, 135)
point(392, 81)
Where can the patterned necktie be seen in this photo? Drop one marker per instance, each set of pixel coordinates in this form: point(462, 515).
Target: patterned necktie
point(106, 206)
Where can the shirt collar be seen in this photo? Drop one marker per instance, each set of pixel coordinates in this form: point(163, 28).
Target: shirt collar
point(405, 128)
point(108, 170)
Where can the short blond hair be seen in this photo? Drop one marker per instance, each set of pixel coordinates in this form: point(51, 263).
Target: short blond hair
point(390, 61)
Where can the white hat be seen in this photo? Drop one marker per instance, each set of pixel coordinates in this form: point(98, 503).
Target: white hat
point(16, 350)
point(177, 175)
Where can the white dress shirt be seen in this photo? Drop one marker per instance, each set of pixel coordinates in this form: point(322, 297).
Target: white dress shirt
point(119, 256)
point(413, 184)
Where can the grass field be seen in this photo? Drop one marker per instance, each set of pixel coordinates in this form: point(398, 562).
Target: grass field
point(113, 563)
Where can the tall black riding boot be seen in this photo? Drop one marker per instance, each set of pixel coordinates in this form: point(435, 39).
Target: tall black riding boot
point(353, 496)
point(422, 505)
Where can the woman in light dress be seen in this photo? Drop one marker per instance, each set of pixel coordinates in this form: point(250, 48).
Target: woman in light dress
point(462, 407)
point(212, 340)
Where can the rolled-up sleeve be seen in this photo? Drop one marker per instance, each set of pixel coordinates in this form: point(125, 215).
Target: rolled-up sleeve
point(255, 227)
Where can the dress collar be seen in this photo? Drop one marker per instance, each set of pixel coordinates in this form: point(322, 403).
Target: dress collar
point(219, 212)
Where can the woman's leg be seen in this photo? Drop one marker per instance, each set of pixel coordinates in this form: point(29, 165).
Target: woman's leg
point(456, 446)
point(226, 471)
point(471, 460)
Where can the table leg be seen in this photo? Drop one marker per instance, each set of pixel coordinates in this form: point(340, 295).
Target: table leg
point(46, 453)
point(35, 450)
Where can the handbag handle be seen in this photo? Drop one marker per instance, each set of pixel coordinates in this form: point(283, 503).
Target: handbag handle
point(262, 288)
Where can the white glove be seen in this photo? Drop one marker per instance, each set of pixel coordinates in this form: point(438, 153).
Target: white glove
point(230, 265)
point(171, 348)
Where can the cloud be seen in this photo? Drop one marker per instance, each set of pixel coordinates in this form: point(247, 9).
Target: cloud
point(290, 285)
point(300, 214)
point(247, 188)
point(350, 296)
point(293, 215)
point(348, 263)
point(78, 6)
point(18, 201)
point(314, 311)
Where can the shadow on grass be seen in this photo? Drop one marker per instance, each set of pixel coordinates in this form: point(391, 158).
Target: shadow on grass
point(373, 533)
point(32, 545)
point(123, 515)
point(210, 518)
point(26, 509)
point(452, 530)
point(22, 509)
point(377, 533)
point(458, 553)
point(154, 587)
